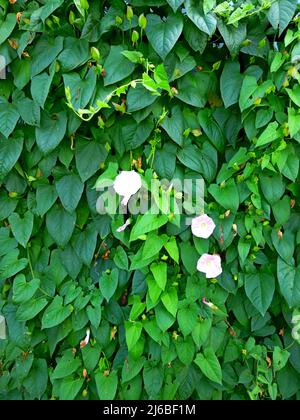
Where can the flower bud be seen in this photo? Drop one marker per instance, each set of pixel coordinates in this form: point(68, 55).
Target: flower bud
point(95, 53)
point(142, 22)
point(129, 13)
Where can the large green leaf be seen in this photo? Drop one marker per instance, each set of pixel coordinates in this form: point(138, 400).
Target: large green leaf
point(227, 195)
point(60, 225)
point(69, 189)
point(289, 282)
point(116, 66)
point(231, 83)
point(9, 117)
point(21, 227)
point(55, 313)
point(7, 26)
point(51, 131)
point(205, 22)
point(107, 385)
point(260, 287)
point(163, 35)
point(281, 12)
point(209, 365)
point(10, 150)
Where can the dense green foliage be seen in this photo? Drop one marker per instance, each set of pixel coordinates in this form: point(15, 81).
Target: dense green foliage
point(201, 89)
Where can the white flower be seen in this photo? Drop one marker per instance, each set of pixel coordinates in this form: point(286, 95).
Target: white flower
point(85, 342)
point(126, 184)
point(210, 265)
point(123, 227)
point(203, 226)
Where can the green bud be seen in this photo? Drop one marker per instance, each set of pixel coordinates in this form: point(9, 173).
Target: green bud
point(84, 4)
point(129, 13)
point(119, 20)
point(72, 17)
point(135, 37)
point(142, 22)
point(95, 53)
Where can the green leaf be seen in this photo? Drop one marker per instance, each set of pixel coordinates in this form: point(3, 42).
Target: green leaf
point(280, 358)
point(272, 187)
point(11, 265)
point(193, 89)
point(294, 94)
point(175, 4)
point(211, 129)
point(153, 245)
point(55, 313)
point(205, 22)
point(51, 132)
point(46, 196)
point(106, 385)
point(92, 152)
point(116, 66)
point(69, 189)
point(66, 366)
point(170, 300)
point(172, 249)
point(268, 135)
point(289, 282)
point(85, 243)
point(80, 90)
point(293, 121)
point(164, 318)
point(10, 150)
point(44, 53)
point(23, 290)
point(226, 195)
point(40, 86)
point(108, 283)
point(7, 26)
point(231, 83)
point(70, 388)
point(75, 53)
point(197, 39)
point(233, 36)
point(260, 288)
point(21, 228)
point(187, 318)
point(159, 271)
point(163, 35)
point(281, 13)
point(133, 333)
point(146, 223)
point(139, 98)
point(60, 225)
point(31, 309)
point(209, 365)
point(174, 125)
point(9, 117)
point(132, 368)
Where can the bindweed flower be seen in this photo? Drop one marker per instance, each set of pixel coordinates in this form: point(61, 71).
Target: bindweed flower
point(209, 304)
point(123, 227)
point(210, 265)
point(203, 226)
point(126, 184)
point(85, 342)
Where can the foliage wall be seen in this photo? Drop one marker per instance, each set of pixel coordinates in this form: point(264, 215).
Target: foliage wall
point(198, 89)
